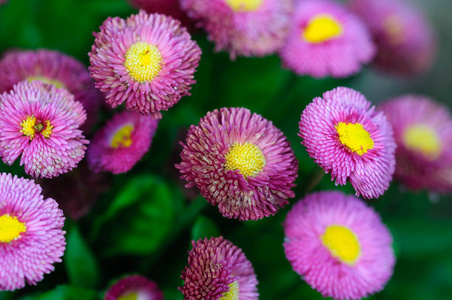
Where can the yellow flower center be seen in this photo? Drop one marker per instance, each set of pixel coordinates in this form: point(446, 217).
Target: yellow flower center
point(10, 228)
point(129, 296)
point(342, 243)
point(247, 158)
point(233, 293)
point(422, 138)
point(355, 137)
point(122, 137)
point(56, 83)
point(322, 28)
point(244, 5)
point(394, 29)
point(30, 127)
point(143, 61)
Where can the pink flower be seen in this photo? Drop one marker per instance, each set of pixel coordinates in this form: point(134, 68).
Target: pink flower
point(404, 38)
point(217, 269)
point(122, 142)
point(31, 235)
point(41, 123)
point(134, 287)
point(326, 39)
point(240, 162)
point(147, 61)
point(423, 133)
point(55, 68)
point(350, 140)
point(243, 28)
point(338, 245)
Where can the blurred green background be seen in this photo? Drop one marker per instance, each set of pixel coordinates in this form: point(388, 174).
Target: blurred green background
point(144, 223)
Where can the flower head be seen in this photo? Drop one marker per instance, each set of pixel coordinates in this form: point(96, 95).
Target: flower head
point(147, 61)
point(242, 27)
point(41, 123)
point(404, 38)
point(31, 236)
point(240, 162)
point(326, 40)
point(338, 245)
point(218, 259)
point(122, 142)
point(350, 140)
point(423, 132)
point(55, 68)
point(134, 287)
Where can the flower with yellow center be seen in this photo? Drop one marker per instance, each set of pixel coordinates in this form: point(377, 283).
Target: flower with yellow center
point(322, 28)
point(246, 157)
point(355, 137)
point(233, 293)
point(56, 83)
point(342, 243)
point(10, 228)
point(244, 5)
point(143, 61)
point(122, 137)
point(423, 139)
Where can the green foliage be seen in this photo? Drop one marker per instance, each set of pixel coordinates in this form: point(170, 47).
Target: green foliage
point(204, 227)
point(65, 292)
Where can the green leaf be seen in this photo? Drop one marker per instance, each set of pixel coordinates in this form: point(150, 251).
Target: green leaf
point(80, 263)
point(64, 292)
point(204, 227)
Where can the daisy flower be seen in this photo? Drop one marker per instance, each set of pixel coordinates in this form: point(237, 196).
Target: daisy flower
point(338, 245)
point(350, 140)
point(146, 61)
point(217, 269)
point(41, 124)
point(240, 162)
point(134, 287)
point(31, 235)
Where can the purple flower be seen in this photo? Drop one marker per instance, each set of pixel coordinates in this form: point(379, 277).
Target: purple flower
point(31, 235)
point(338, 245)
point(350, 140)
point(217, 269)
point(240, 162)
point(134, 287)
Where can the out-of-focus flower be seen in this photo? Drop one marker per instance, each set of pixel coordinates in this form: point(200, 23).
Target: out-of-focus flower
point(326, 39)
point(423, 133)
point(147, 61)
point(31, 235)
point(217, 269)
point(55, 68)
point(404, 38)
point(134, 287)
point(338, 245)
point(122, 142)
point(242, 27)
point(240, 162)
point(350, 140)
point(41, 123)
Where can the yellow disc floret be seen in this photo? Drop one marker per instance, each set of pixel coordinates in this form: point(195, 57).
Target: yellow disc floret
point(422, 138)
point(10, 228)
point(28, 127)
point(233, 293)
point(143, 61)
point(322, 28)
point(122, 137)
point(129, 296)
point(56, 83)
point(244, 5)
point(355, 137)
point(342, 243)
point(48, 130)
point(246, 157)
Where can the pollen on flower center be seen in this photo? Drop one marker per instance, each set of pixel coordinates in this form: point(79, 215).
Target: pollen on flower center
point(56, 83)
point(28, 127)
point(233, 293)
point(10, 228)
point(129, 296)
point(122, 137)
point(246, 157)
point(143, 61)
point(342, 243)
point(322, 28)
point(423, 139)
point(244, 5)
point(355, 137)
